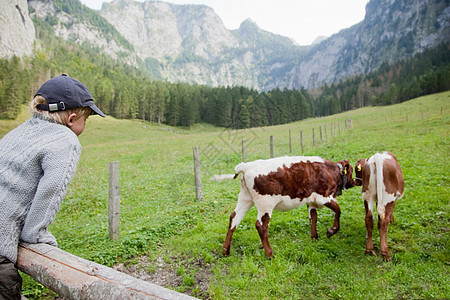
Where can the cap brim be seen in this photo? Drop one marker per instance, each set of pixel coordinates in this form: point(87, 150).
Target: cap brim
point(96, 110)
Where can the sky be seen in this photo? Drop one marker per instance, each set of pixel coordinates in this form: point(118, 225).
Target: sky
point(301, 20)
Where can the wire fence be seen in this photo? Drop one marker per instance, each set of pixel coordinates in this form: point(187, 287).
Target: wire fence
point(218, 156)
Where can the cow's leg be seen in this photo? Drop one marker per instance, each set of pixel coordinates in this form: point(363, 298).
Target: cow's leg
point(392, 214)
point(369, 227)
point(263, 230)
point(312, 213)
point(337, 214)
point(244, 204)
point(265, 206)
point(383, 225)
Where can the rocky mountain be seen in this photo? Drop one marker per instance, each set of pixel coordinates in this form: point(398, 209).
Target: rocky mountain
point(79, 24)
point(391, 30)
point(16, 29)
point(189, 43)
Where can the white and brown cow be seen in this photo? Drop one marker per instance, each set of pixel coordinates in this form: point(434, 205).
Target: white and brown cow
point(382, 184)
point(286, 183)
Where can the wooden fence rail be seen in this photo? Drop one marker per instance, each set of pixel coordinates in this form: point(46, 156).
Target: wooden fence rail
point(76, 278)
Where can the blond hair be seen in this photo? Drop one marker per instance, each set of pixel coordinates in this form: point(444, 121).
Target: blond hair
point(58, 116)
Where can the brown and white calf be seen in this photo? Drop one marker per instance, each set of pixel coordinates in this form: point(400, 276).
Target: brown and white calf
point(286, 183)
point(382, 184)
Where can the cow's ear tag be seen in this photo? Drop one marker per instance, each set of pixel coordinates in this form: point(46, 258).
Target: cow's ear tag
point(358, 167)
point(345, 171)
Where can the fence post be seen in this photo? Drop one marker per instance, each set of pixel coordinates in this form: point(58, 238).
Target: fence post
point(320, 128)
point(314, 138)
point(244, 156)
point(114, 200)
point(271, 146)
point(198, 177)
point(301, 139)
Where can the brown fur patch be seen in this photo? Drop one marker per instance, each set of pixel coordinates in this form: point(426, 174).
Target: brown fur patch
point(393, 176)
point(301, 179)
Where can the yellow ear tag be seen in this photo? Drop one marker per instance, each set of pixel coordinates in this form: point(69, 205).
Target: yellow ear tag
point(358, 167)
point(345, 171)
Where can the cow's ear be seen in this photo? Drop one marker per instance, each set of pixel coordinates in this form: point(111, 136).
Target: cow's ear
point(344, 170)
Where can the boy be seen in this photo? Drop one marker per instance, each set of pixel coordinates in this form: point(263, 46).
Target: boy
point(38, 160)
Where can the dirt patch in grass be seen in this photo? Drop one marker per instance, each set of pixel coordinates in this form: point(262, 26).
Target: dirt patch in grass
point(187, 275)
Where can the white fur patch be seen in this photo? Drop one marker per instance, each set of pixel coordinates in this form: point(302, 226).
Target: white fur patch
point(375, 188)
point(380, 156)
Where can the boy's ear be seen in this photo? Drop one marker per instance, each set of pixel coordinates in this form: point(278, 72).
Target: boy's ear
point(70, 119)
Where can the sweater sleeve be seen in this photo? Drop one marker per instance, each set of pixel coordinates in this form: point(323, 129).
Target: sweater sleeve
point(59, 164)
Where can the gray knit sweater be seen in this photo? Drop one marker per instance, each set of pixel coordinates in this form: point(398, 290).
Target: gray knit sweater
point(37, 161)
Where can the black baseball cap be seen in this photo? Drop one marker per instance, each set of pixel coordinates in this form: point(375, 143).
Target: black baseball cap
point(63, 92)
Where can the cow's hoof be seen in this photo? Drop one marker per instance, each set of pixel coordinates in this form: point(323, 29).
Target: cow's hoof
point(226, 252)
point(386, 257)
point(332, 231)
point(314, 238)
point(369, 252)
point(269, 254)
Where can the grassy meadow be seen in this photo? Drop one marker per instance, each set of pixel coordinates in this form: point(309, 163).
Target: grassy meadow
point(171, 239)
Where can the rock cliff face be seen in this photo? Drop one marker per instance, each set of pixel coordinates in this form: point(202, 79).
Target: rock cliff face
point(391, 30)
point(76, 29)
point(190, 43)
point(16, 29)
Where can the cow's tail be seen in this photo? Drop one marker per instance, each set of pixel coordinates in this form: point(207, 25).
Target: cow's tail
point(239, 169)
point(379, 171)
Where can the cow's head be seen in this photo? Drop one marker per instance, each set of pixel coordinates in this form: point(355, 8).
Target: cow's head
point(358, 171)
point(346, 174)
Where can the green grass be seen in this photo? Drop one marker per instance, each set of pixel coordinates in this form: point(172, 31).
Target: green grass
point(161, 219)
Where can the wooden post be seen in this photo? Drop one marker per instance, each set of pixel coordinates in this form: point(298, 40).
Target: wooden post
point(320, 128)
point(271, 146)
point(314, 138)
point(198, 177)
point(114, 200)
point(325, 127)
point(301, 139)
point(73, 277)
point(244, 156)
point(290, 141)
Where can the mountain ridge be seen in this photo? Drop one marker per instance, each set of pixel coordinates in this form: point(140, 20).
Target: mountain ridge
point(263, 60)
point(189, 43)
